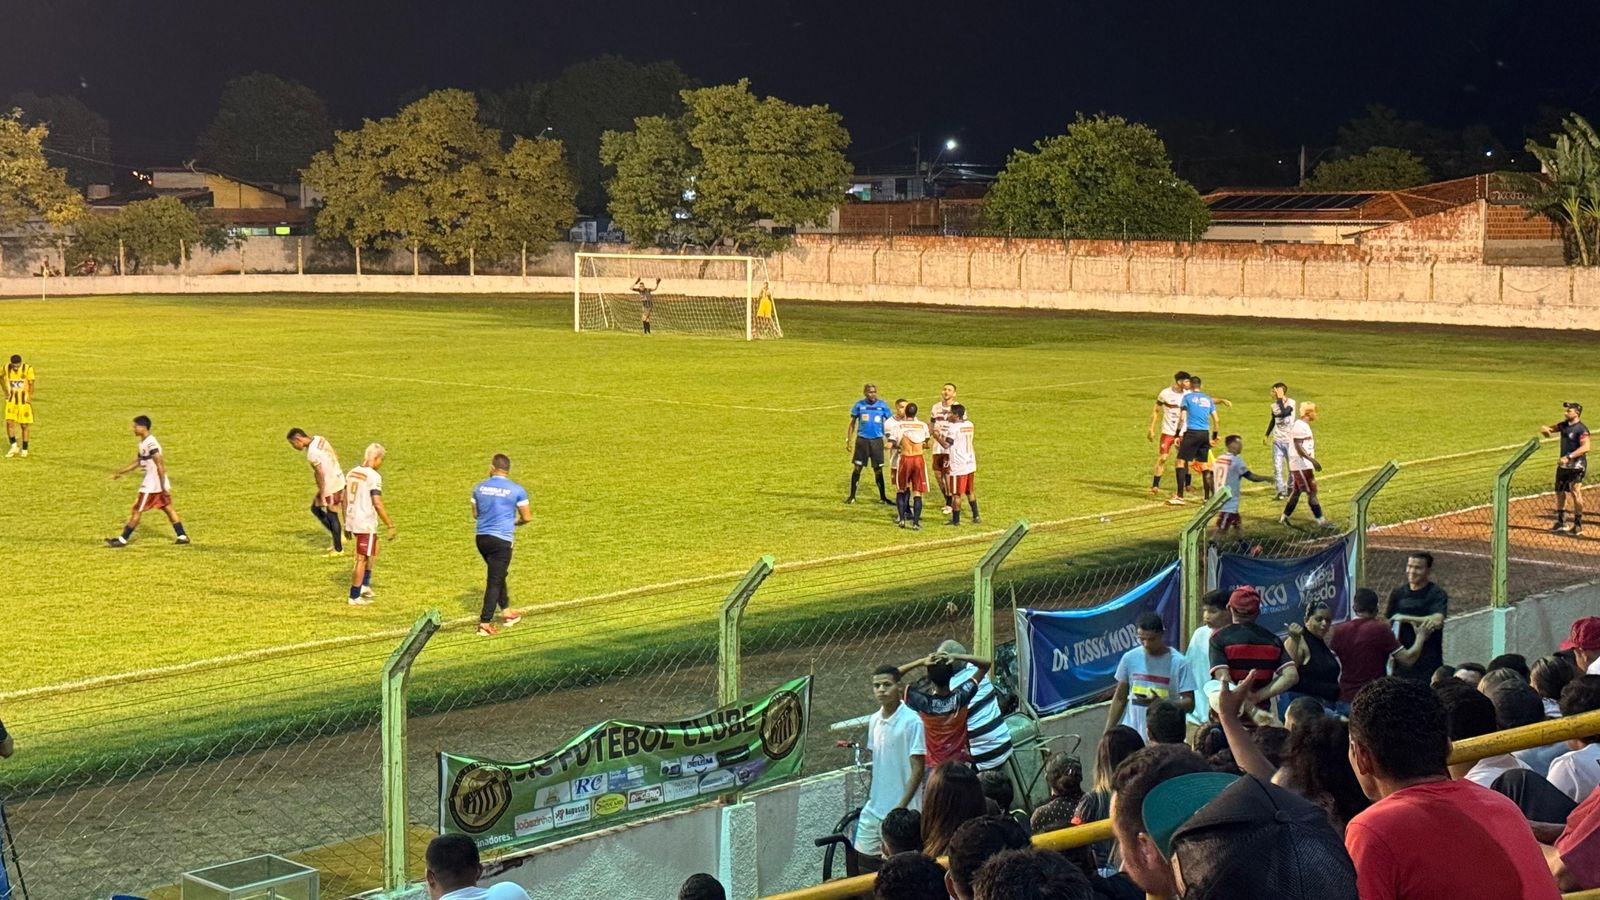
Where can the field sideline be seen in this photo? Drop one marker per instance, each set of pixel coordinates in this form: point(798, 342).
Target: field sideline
point(649, 460)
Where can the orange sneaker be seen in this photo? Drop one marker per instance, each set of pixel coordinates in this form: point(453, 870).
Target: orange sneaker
point(510, 617)
point(485, 629)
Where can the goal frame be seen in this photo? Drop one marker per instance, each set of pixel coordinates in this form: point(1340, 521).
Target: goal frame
point(750, 263)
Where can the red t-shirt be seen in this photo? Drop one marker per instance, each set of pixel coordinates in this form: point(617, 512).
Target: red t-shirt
point(1579, 845)
point(1447, 840)
point(1363, 647)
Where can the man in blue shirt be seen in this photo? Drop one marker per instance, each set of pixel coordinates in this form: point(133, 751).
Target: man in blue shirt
point(863, 437)
point(1197, 422)
point(500, 505)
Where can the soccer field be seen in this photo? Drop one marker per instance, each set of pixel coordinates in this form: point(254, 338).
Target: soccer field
point(648, 459)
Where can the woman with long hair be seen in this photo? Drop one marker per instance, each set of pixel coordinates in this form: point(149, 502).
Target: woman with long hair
point(952, 797)
point(1116, 745)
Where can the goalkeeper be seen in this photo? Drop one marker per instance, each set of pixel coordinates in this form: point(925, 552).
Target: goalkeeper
point(647, 300)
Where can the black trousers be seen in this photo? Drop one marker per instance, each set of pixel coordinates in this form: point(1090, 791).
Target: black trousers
point(496, 553)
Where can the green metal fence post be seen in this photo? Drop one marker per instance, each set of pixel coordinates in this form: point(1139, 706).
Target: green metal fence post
point(728, 631)
point(983, 587)
point(1359, 505)
point(396, 678)
point(1499, 589)
point(1192, 570)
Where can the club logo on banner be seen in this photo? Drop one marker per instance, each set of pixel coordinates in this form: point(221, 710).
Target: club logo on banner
point(1071, 655)
point(1287, 585)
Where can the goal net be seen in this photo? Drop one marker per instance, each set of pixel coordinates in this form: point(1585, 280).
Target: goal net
point(649, 293)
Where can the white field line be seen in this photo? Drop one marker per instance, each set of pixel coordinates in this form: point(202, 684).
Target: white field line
point(696, 581)
point(1470, 554)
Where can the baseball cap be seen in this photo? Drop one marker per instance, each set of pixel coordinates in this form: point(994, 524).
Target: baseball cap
point(1585, 635)
point(1255, 841)
point(1171, 803)
point(1245, 600)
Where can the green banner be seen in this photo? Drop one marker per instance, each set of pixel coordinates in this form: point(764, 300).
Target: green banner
point(617, 771)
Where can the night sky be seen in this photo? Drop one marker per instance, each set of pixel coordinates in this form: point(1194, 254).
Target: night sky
point(995, 74)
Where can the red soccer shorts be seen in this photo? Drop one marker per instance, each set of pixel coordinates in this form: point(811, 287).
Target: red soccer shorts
point(334, 500)
point(1226, 520)
point(1167, 440)
point(960, 485)
point(366, 544)
point(1304, 481)
point(160, 500)
point(912, 474)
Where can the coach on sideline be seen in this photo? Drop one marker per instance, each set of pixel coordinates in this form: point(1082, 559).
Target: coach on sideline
point(500, 505)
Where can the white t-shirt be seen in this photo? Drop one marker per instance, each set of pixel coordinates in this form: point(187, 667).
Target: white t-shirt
point(153, 483)
point(893, 741)
point(1577, 773)
point(1150, 679)
point(361, 485)
point(963, 458)
point(504, 890)
point(1199, 657)
point(1594, 668)
point(1486, 770)
point(1171, 400)
point(937, 417)
point(321, 456)
point(1283, 419)
point(1301, 431)
point(1230, 470)
point(891, 436)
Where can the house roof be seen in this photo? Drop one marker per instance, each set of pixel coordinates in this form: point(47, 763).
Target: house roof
point(1246, 206)
point(258, 185)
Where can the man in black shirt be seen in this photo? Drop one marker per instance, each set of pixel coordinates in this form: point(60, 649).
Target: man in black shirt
point(1412, 604)
point(1572, 465)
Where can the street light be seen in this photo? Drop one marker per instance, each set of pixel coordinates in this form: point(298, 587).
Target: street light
point(950, 143)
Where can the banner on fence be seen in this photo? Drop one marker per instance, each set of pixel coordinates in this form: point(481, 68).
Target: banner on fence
point(5, 848)
point(1071, 655)
point(619, 770)
point(1287, 585)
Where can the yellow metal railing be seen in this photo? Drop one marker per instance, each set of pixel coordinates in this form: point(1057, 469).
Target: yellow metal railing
point(1470, 750)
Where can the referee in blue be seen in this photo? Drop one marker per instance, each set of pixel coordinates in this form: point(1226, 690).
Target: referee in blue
point(501, 506)
point(863, 437)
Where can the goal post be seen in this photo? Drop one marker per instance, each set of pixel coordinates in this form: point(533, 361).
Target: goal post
point(647, 293)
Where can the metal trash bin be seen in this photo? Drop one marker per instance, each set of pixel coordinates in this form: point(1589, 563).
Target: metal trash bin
point(265, 877)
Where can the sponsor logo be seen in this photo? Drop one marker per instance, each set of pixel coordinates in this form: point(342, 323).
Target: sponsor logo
point(746, 774)
point(572, 813)
point(480, 793)
point(731, 755)
point(697, 763)
point(680, 789)
point(554, 794)
point(639, 798)
point(716, 782)
point(1319, 584)
point(782, 725)
point(588, 786)
point(610, 805)
point(622, 779)
point(671, 768)
point(535, 822)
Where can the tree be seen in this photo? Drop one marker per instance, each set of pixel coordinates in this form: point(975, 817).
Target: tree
point(30, 188)
point(1106, 176)
point(1448, 154)
point(431, 176)
point(266, 129)
point(1378, 169)
point(731, 160)
point(1568, 188)
point(80, 138)
point(148, 232)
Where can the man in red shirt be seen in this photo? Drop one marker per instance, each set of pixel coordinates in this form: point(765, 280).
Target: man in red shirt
point(1364, 645)
point(1426, 837)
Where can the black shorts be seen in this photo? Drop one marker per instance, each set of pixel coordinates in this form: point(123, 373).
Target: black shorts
point(1568, 480)
point(869, 450)
point(1195, 446)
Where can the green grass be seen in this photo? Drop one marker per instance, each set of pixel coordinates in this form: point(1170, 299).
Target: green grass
point(648, 461)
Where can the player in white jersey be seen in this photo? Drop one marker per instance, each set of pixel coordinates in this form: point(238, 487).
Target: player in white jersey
point(938, 418)
point(155, 490)
point(1168, 408)
point(891, 437)
point(1230, 471)
point(963, 473)
point(1303, 467)
point(330, 483)
point(1278, 428)
point(363, 508)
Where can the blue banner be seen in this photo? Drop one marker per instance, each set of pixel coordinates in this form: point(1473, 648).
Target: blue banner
point(5, 878)
point(1286, 585)
point(1072, 655)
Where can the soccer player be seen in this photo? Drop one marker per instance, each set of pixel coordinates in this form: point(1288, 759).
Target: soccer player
point(938, 418)
point(330, 483)
point(363, 507)
point(963, 465)
point(1169, 405)
point(19, 404)
point(1570, 468)
point(1304, 466)
point(1230, 469)
point(1197, 422)
point(891, 434)
point(863, 437)
point(500, 506)
point(155, 491)
point(911, 478)
point(647, 300)
point(1278, 427)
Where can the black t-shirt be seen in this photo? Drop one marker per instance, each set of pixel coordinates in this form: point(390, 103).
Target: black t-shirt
point(1571, 437)
point(1430, 600)
point(3, 733)
point(1319, 677)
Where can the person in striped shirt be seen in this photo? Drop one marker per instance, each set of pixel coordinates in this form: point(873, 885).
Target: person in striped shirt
point(987, 732)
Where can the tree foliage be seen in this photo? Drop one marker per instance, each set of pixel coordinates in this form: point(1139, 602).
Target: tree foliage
point(1445, 153)
point(1568, 188)
point(1378, 169)
point(731, 160)
point(266, 129)
point(80, 138)
point(1105, 177)
point(152, 233)
point(29, 186)
point(432, 177)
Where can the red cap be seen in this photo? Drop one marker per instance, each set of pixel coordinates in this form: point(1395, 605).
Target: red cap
point(1585, 635)
point(1246, 600)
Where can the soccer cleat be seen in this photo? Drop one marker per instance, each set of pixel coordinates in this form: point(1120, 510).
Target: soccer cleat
point(510, 617)
point(23, 454)
point(1283, 519)
point(1175, 500)
point(1558, 527)
point(887, 501)
point(359, 601)
point(366, 592)
point(181, 539)
point(13, 451)
point(850, 499)
point(916, 526)
point(1577, 531)
point(951, 522)
point(903, 523)
point(331, 553)
point(486, 629)
point(1155, 490)
point(1326, 522)
point(116, 542)
point(946, 509)
point(976, 520)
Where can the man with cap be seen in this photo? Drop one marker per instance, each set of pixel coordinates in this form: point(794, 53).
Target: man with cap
point(1247, 646)
point(1236, 838)
point(1572, 465)
point(1138, 775)
point(1583, 639)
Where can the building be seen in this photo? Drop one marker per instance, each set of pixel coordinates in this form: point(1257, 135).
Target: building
point(243, 207)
